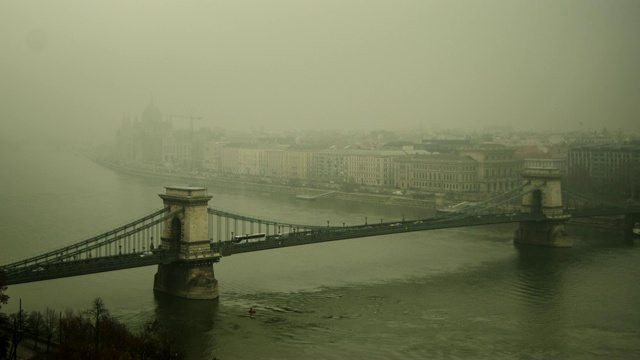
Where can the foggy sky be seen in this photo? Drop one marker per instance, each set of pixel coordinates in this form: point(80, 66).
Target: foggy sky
point(74, 68)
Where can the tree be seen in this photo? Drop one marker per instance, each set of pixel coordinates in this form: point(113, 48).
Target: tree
point(98, 311)
point(78, 340)
point(75, 337)
point(35, 325)
point(295, 182)
point(17, 331)
point(50, 320)
point(350, 186)
point(4, 337)
point(4, 298)
point(4, 320)
point(155, 343)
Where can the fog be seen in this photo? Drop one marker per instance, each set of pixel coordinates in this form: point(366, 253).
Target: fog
point(73, 69)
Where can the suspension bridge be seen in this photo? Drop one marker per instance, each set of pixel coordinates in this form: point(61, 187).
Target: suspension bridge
point(186, 237)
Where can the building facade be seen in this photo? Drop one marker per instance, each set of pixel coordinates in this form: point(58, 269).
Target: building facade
point(551, 163)
point(371, 167)
point(497, 168)
point(437, 173)
point(603, 166)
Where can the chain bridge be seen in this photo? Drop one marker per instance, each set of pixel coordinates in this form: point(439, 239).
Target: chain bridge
point(186, 237)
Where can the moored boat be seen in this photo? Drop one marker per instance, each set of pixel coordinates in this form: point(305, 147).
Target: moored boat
point(454, 209)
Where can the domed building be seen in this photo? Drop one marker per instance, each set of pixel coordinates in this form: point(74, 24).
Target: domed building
point(143, 140)
point(151, 116)
point(153, 131)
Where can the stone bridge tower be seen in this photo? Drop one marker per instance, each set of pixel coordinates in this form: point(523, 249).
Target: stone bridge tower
point(186, 235)
point(546, 200)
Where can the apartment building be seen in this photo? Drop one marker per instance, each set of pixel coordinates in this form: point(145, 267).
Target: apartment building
point(605, 163)
point(437, 173)
point(231, 159)
point(497, 168)
point(273, 161)
point(298, 162)
point(330, 165)
point(372, 167)
point(251, 160)
point(212, 153)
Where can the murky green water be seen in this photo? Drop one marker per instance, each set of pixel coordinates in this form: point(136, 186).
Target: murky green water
point(455, 293)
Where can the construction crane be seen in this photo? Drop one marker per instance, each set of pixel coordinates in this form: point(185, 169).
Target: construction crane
point(190, 117)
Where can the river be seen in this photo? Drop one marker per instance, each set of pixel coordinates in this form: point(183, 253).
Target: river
point(454, 293)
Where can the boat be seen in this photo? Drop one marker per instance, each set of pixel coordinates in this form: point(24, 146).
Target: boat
point(454, 209)
point(306, 197)
point(636, 229)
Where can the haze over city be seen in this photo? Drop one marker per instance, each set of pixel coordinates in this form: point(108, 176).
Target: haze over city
point(73, 69)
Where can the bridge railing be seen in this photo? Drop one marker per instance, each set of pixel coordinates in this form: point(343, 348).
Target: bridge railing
point(71, 252)
point(226, 248)
point(87, 266)
point(590, 200)
point(255, 219)
point(494, 205)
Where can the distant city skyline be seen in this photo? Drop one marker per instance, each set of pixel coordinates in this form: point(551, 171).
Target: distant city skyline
point(72, 69)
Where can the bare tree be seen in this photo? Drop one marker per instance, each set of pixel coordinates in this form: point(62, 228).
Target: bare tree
point(3, 287)
point(35, 325)
point(115, 340)
point(50, 320)
point(4, 320)
point(17, 327)
point(4, 336)
point(98, 312)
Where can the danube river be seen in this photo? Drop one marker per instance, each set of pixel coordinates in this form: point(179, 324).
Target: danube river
point(455, 293)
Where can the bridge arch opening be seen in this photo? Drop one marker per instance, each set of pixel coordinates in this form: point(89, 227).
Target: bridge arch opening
point(175, 234)
point(536, 201)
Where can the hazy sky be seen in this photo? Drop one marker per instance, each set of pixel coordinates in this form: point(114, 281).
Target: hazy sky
point(73, 68)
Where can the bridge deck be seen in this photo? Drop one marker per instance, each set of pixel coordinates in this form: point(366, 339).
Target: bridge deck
point(55, 270)
point(39, 268)
point(460, 220)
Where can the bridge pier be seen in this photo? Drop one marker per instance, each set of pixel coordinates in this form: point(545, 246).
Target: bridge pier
point(192, 276)
point(543, 196)
point(190, 282)
point(630, 220)
point(543, 233)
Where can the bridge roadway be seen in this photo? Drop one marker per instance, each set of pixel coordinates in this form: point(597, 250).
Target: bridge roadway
point(226, 248)
point(59, 269)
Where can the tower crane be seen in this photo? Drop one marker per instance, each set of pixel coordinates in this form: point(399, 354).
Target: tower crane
point(190, 117)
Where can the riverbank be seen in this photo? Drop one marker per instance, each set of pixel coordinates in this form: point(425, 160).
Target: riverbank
point(227, 181)
point(308, 194)
point(28, 348)
point(606, 222)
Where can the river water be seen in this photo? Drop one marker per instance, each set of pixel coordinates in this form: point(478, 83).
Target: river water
point(455, 293)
